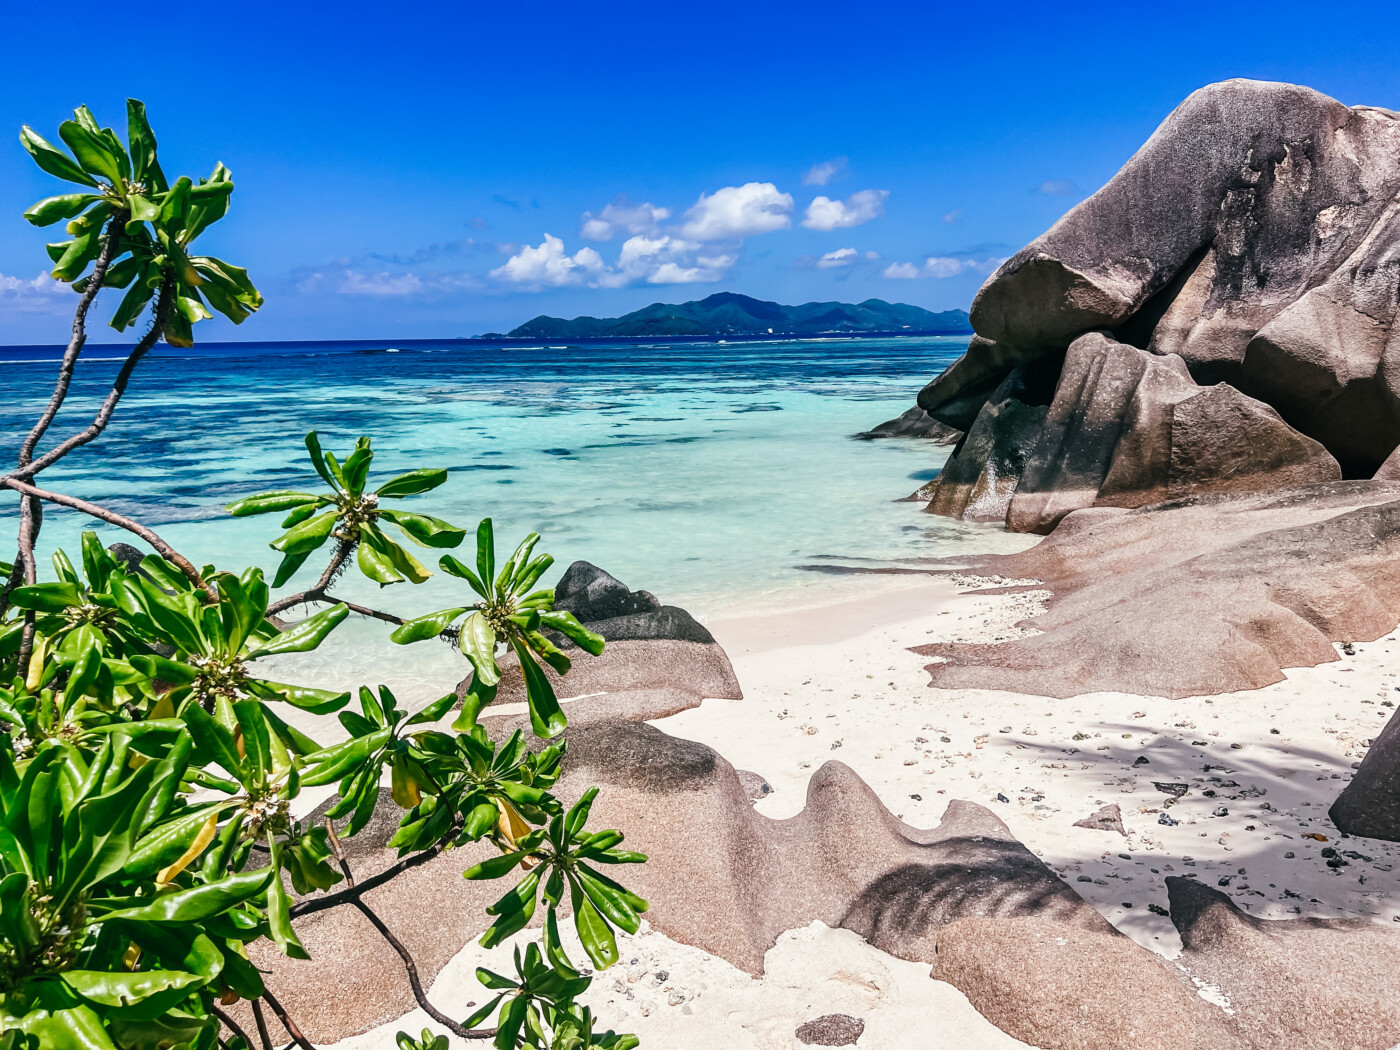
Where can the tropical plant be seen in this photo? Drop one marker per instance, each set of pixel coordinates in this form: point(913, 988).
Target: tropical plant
point(148, 783)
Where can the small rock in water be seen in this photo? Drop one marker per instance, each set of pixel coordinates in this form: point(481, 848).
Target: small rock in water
point(831, 1030)
point(1220, 811)
point(1002, 798)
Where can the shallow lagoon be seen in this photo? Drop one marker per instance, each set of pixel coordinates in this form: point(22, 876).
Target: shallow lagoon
point(709, 473)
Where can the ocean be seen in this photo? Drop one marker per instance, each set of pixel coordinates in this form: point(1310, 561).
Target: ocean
point(721, 476)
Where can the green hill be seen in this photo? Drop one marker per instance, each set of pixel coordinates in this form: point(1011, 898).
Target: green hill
point(730, 314)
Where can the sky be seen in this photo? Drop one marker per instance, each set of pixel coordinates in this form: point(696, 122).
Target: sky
point(424, 170)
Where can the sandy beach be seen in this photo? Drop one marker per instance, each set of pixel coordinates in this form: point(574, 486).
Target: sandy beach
point(836, 681)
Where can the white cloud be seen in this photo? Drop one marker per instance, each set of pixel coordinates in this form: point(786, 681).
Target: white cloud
point(821, 174)
point(902, 271)
point(39, 294)
point(622, 214)
point(660, 259)
point(953, 216)
point(547, 266)
point(872, 255)
point(840, 257)
point(943, 266)
point(738, 211)
point(1058, 188)
point(827, 214)
point(380, 284)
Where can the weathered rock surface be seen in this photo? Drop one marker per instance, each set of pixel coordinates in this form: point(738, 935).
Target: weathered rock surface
point(592, 594)
point(913, 423)
point(831, 1030)
point(980, 477)
point(1369, 805)
point(1210, 594)
point(1293, 984)
point(965, 897)
point(1253, 240)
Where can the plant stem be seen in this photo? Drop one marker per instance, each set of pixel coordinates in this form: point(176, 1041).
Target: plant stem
point(164, 304)
point(348, 896)
point(233, 1027)
point(291, 1026)
point(317, 591)
point(263, 1033)
point(110, 236)
point(112, 518)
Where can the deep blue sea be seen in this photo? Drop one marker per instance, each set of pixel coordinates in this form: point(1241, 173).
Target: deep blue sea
point(709, 473)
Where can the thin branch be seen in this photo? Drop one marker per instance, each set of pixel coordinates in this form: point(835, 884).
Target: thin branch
point(164, 304)
point(263, 1033)
point(110, 237)
point(350, 894)
point(31, 514)
point(287, 1022)
point(365, 611)
point(317, 591)
point(417, 985)
point(112, 518)
point(233, 1027)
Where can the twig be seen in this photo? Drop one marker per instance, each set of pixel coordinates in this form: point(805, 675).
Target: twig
point(287, 1022)
point(233, 1027)
point(414, 983)
point(164, 303)
point(348, 895)
point(112, 518)
point(263, 1033)
point(317, 591)
point(110, 236)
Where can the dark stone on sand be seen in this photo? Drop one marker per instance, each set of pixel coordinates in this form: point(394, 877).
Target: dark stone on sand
point(1370, 803)
point(1106, 818)
point(666, 621)
point(831, 1030)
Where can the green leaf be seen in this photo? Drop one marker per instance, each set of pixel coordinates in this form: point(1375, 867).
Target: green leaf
point(494, 867)
point(478, 642)
point(422, 627)
point(593, 930)
point(264, 502)
point(213, 740)
point(307, 536)
point(451, 565)
point(52, 209)
point(51, 159)
point(437, 709)
point(141, 141)
point(199, 902)
point(129, 309)
point(46, 597)
point(94, 155)
point(546, 717)
point(403, 561)
point(485, 554)
point(428, 531)
point(411, 484)
point(279, 907)
point(176, 204)
point(288, 567)
point(567, 625)
point(333, 763)
point(317, 701)
point(306, 635)
point(124, 989)
point(375, 565)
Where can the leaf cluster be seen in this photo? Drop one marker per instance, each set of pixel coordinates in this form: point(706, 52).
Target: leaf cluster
point(127, 197)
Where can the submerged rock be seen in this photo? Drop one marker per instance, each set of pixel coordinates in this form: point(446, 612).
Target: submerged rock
point(914, 423)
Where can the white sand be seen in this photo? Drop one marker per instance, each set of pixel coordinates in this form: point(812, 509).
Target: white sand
point(838, 682)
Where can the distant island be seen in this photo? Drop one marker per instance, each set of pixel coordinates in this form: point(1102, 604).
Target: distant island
point(731, 314)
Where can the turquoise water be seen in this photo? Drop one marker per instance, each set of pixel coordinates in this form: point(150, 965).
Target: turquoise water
point(709, 473)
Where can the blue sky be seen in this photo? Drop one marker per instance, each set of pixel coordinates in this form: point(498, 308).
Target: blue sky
point(438, 170)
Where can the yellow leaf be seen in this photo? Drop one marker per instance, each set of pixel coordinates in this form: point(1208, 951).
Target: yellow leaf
point(166, 875)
